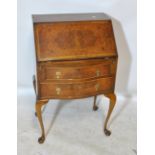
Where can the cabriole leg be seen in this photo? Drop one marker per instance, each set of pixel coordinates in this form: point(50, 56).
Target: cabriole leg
point(39, 105)
point(112, 98)
point(95, 107)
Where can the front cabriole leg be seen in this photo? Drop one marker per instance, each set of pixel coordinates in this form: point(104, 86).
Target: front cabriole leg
point(112, 98)
point(39, 105)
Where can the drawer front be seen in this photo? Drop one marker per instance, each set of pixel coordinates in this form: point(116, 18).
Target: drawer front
point(78, 70)
point(76, 90)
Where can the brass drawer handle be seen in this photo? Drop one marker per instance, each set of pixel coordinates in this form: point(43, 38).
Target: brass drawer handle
point(97, 73)
point(58, 90)
point(107, 58)
point(58, 74)
point(97, 87)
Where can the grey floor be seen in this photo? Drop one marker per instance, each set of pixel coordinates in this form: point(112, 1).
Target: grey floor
point(72, 128)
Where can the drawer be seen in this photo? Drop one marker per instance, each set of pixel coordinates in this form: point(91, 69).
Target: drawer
point(76, 89)
point(77, 70)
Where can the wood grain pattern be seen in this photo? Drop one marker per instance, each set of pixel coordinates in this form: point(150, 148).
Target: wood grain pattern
point(73, 40)
point(74, 59)
point(76, 70)
point(69, 90)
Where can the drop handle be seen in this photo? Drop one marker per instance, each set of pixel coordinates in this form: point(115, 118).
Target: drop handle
point(113, 62)
point(97, 87)
point(107, 58)
point(58, 74)
point(58, 90)
point(98, 73)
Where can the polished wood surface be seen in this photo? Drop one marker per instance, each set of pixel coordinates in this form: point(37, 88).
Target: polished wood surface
point(71, 90)
point(39, 105)
point(70, 70)
point(83, 39)
point(74, 59)
point(112, 98)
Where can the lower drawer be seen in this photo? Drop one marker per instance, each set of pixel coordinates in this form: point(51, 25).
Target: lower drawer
point(77, 89)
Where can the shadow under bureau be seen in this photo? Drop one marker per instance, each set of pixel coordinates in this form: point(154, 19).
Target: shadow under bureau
point(76, 57)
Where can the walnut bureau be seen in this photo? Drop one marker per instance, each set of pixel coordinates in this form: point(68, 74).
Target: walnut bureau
point(76, 57)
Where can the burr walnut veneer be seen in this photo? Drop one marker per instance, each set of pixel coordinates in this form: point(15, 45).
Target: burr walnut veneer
point(76, 57)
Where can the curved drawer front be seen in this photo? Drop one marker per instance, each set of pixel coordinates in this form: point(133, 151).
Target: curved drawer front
point(77, 89)
point(73, 71)
point(77, 72)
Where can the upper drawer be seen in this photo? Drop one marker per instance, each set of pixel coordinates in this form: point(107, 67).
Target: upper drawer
point(84, 69)
point(74, 40)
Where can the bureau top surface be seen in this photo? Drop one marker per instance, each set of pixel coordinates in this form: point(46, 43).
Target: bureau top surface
point(69, 17)
point(73, 36)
